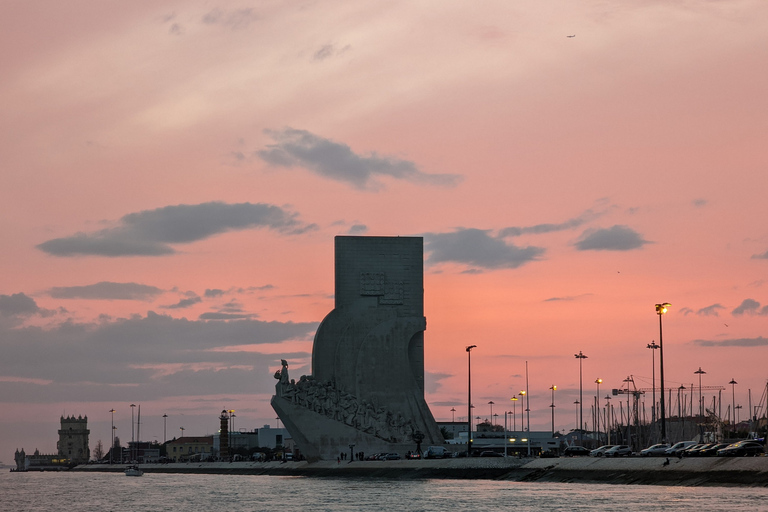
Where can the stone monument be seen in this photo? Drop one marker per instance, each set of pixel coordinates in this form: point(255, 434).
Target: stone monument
point(366, 389)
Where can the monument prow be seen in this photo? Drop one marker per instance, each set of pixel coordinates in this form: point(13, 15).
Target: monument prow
point(366, 391)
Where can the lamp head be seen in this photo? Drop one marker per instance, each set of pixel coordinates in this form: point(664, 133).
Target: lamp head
point(471, 347)
point(599, 381)
point(662, 308)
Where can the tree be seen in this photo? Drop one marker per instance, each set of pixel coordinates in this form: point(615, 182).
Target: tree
point(446, 433)
point(98, 451)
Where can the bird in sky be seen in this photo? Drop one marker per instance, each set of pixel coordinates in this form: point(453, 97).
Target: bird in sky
point(574, 35)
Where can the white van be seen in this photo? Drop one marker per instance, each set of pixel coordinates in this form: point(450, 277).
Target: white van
point(679, 447)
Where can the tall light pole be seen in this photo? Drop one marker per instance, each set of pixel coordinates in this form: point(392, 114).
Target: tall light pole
point(182, 431)
point(111, 448)
point(514, 406)
point(522, 394)
point(469, 399)
point(133, 446)
point(165, 419)
point(733, 406)
point(660, 310)
point(580, 357)
point(598, 381)
point(700, 372)
point(453, 415)
point(653, 346)
point(491, 404)
point(552, 405)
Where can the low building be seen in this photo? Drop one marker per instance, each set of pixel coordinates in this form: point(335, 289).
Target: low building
point(185, 449)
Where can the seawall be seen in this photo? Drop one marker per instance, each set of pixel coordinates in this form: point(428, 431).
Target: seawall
point(715, 471)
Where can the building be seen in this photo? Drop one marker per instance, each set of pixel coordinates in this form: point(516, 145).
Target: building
point(186, 449)
point(73, 439)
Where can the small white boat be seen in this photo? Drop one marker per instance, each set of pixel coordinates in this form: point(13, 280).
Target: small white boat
point(133, 471)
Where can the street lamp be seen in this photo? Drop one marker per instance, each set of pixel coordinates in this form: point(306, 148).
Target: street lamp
point(453, 415)
point(491, 404)
point(580, 357)
point(733, 404)
point(653, 346)
point(182, 431)
point(113, 435)
point(514, 421)
point(165, 419)
point(522, 412)
point(700, 372)
point(598, 381)
point(469, 399)
point(552, 405)
point(660, 310)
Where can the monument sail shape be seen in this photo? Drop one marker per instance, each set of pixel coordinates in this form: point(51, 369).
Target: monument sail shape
point(366, 391)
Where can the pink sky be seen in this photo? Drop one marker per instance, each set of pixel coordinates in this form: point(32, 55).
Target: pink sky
point(174, 174)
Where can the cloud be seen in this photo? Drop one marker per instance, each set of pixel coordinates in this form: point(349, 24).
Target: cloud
point(615, 238)
point(710, 310)
point(538, 229)
point(184, 303)
point(336, 161)
point(357, 229)
point(686, 311)
point(215, 292)
point(699, 203)
point(737, 342)
point(568, 298)
point(329, 50)
point(106, 291)
point(18, 304)
point(477, 248)
point(235, 19)
point(763, 256)
point(150, 232)
point(225, 316)
point(747, 306)
point(138, 354)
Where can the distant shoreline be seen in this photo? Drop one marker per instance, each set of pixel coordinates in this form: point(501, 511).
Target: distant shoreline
point(714, 471)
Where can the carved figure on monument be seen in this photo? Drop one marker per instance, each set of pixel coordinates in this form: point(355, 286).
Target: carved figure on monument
point(367, 383)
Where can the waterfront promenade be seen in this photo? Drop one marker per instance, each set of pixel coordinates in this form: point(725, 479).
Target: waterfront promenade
point(751, 471)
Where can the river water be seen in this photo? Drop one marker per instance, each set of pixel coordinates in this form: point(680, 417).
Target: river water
point(106, 492)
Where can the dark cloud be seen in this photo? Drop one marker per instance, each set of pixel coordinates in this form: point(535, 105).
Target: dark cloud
point(737, 342)
point(538, 229)
point(357, 229)
point(747, 306)
point(432, 381)
point(699, 203)
point(686, 311)
point(184, 303)
point(710, 310)
point(106, 291)
point(150, 232)
point(139, 354)
point(215, 292)
point(336, 161)
point(615, 238)
point(477, 248)
point(18, 304)
point(763, 256)
point(225, 316)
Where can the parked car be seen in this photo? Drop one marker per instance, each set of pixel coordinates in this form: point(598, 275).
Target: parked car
point(711, 451)
point(678, 447)
point(598, 452)
point(620, 450)
point(490, 453)
point(391, 456)
point(742, 449)
point(656, 450)
point(695, 450)
point(576, 451)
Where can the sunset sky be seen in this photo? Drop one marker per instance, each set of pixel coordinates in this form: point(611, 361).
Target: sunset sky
point(174, 173)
